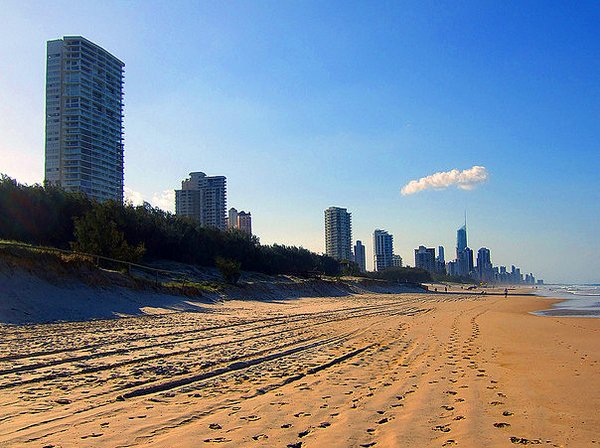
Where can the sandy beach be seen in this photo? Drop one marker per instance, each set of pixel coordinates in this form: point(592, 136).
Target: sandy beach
point(407, 370)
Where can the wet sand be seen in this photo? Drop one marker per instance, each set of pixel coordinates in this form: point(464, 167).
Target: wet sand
point(371, 370)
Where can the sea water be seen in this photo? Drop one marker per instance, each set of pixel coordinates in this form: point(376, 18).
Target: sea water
point(580, 300)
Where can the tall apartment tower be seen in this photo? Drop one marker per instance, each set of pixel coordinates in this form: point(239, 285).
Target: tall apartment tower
point(232, 218)
point(244, 222)
point(84, 119)
point(360, 257)
point(383, 248)
point(484, 264)
point(461, 239)
point(204, 199)
point(338, 233)
point(425, 258)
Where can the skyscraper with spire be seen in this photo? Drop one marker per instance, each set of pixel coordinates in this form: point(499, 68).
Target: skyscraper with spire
point(464, 255)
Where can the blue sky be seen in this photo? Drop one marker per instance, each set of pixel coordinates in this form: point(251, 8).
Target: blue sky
point(304, 105)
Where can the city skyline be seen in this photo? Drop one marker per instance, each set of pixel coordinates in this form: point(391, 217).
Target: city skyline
point(524, 113)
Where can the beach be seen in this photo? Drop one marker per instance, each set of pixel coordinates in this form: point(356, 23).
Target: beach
point(384, 370)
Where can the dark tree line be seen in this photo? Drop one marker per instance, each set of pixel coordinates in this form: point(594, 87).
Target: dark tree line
point(53, 217)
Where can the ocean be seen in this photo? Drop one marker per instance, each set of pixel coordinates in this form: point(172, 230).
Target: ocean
point(581, 300)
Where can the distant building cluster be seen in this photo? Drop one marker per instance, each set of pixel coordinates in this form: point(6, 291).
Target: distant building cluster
point(338, 240)
point(204, 199)
point(463, 266)
point(239, 220)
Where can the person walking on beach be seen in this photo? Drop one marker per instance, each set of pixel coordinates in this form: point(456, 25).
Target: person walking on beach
point(505, 293)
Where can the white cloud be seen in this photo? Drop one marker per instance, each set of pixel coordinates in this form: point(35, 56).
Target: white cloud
point(132, 196)
point(465, 180)
point(164, 200)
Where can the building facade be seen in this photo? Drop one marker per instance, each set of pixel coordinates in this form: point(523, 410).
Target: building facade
point(461, 239)
point(338, 233)
point(360, 256)
point(485, 270)
point(425, 258)
point(204, 199)
point(383, 249)
point(244, 222)
point(232, 217)
point(239, 220)
point(84, 119)
point(441, 261)
point(396, 261)
point(465, 262)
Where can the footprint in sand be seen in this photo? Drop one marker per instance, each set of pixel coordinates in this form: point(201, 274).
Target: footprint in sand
point(524, 441)
point(449, 442)
point(260, 437)
point(501, 425)
point(286, 425)
point(250, 418)
point(304, 433)
point(214, 426)
point(447, 407)
point(382, 421)
point(92, 435)
point(217, 440)
point(368, 444)
point(507, 413)
point(442, 428)
point(324, 424)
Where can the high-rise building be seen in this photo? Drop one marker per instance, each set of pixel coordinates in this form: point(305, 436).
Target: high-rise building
point(425, 258)
point(396, 261)
point(485, 270)
point(204, 199)
point(232, 218)
point(360, 257)
point(465, 262)
point(440, 261)
point(461, 239)
point(440, 256)
point(383, 249)
point(338, 233)
point(84, 119)
point(452, 268)
point(244, 222)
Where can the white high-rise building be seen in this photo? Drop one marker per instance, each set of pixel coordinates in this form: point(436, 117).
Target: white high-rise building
point(360, 256)
point(338, 233)
point(84, 119)
point(204, 199)
point(383, 249)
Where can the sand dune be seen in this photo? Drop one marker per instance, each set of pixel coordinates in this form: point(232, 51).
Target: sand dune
point(357, 371)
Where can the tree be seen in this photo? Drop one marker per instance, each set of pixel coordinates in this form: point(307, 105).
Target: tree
point(229, 269)
point(97, 233)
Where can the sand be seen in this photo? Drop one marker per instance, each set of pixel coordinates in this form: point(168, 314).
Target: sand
point(366, 370)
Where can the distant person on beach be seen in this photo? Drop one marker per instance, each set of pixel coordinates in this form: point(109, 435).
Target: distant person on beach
point(505, 293)
point(445, 289)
